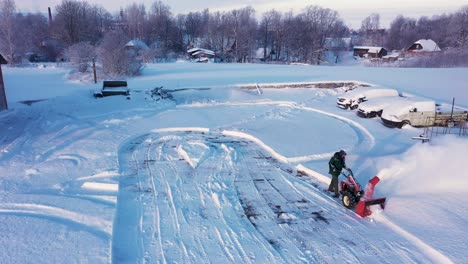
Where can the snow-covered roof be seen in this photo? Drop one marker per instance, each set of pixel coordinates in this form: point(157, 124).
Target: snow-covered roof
point(136, 43)
point(401, 107)
point(259, 53)
point(201, 52)
point(391, 55)
point(380, 103)
point(369, 49)
point(427, 45)
point(369, 93)
point(196, 51)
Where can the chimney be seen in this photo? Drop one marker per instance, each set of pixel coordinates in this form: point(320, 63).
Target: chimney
point(50, 16)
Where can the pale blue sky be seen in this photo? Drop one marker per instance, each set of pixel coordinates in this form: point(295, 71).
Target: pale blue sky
point(351, 11)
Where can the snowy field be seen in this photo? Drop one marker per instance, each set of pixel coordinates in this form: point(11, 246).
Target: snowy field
point(220, 174)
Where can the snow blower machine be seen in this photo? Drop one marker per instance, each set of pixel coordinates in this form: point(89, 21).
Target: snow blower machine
point(353, 196)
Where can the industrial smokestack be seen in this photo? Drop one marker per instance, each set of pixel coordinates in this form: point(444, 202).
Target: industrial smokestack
point(50, 16)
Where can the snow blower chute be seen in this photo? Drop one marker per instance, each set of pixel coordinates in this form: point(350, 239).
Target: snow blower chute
point(354, 197)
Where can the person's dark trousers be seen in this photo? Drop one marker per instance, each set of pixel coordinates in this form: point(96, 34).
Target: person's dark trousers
point(334, 184)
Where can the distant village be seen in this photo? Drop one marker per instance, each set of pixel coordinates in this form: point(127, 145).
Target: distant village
point(79, 33)
point(420, 48)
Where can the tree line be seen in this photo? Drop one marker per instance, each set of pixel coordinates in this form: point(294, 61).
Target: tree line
point(79, 31)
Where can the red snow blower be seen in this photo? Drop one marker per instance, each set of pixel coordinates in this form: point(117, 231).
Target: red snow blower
point(352, 195)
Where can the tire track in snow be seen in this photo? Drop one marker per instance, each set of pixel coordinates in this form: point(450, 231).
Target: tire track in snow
point(256, 204)
point(218, 185)
point(155, 230)
point(434, 255)
point(126, 240)
point(175, 172)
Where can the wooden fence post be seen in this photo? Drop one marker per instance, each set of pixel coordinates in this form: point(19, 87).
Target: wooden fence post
point(3, 99)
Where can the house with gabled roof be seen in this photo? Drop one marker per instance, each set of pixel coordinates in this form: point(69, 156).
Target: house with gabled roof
point(423, 47)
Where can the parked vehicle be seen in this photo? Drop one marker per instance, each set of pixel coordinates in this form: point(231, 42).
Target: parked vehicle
point(422, 113)
point(414, 112)
point(375, 107)
point(352, 99)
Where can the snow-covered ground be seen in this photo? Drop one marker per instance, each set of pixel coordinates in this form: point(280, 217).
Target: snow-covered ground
point(221, 174)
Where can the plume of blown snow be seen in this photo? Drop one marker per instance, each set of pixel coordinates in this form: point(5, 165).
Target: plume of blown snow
point(435, 167)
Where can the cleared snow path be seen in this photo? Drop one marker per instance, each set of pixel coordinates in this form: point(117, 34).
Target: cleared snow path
point(197, 196)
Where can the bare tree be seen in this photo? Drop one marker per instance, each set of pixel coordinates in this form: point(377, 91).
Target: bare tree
point(370, 30)
point(459, 28)
point(402, 33)
point(160, 24)
point(371, 22)
point(80, 55)
point(33, 29)
point(265, 31)
point(196, 26)
point(115, 59)
point(278, 33)
point(135, 20)
point(8, 30)
point(270, 30)
point(219, 36)
point(99, 21)
point(68, 22)
point(320, 23)
point(244, 30)
point(78, 21)
point(292, 36)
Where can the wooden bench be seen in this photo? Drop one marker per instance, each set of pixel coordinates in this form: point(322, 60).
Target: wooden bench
point(113, 88)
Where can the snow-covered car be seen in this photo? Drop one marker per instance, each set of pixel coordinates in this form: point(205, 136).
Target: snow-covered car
point(412, 111)
point(352, 99)
point(376, 106)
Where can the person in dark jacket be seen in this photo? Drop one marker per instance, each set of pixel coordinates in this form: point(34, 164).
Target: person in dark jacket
point(336, 165)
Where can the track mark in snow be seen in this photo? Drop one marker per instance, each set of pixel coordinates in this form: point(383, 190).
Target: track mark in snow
point(103, 187)
point(91, 224)
point(105, 174)
point(436, 256)
point(241, 202)
point(364, 136)
point(75, 159)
